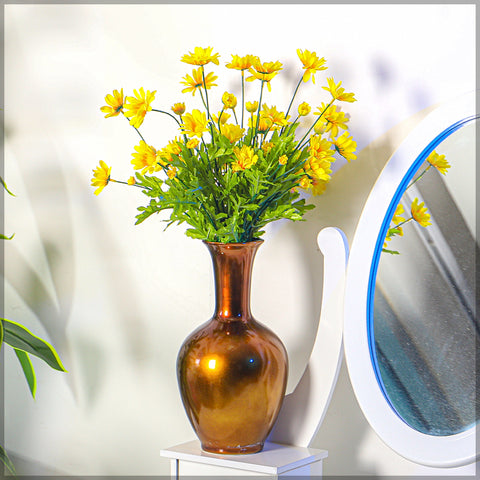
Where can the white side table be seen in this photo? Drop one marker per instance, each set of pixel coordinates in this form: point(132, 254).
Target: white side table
point(275, 461)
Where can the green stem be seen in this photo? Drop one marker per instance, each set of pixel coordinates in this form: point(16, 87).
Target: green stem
point(243, 95)
point(294, 93)
point(167, 113)
point(258, 111)
point(419, 177)
point(138, 131)
point(138, 185)
point(299, 145)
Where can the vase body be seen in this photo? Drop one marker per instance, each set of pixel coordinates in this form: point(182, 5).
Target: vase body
point(232, 370)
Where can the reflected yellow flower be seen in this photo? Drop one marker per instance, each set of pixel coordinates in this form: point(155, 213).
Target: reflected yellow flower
point(101, 177)
point(439, 162)
point(397, 216)
point(419, 213)
point(311, 64)
point(115, 104)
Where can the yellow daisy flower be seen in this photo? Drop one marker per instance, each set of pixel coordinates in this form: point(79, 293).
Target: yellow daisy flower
point(439, 162)
point(196, 81)
point(277, 118)
point(131, 181)
point(193, 143)
point(101, 177)
point(346, 146)
point(267, 146)
point(245, 158)
point(229, 100)
point(195, 123)
point(419, 213)
point(233, 132)
point(304, 109)
point(171, 172)
point(264, 124)
point(333, 119)
point(138, 106)
point(251, 106)
point(283, 160)
point(144, 158)
point(319, 186)
point(222, 117)
point(338, 92)
point(311, 64)
point(115, 104)
point(321, 148)
point(241, 63)
point(264, 71)
point(201, 56)
point(178, 108)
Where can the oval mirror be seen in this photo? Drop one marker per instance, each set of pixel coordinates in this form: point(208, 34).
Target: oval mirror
point(411, 334)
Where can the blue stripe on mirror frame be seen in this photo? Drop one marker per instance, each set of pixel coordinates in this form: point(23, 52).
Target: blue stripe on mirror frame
point(381, 238)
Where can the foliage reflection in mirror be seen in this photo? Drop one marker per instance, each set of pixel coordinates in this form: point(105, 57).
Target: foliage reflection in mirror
point(423, 331)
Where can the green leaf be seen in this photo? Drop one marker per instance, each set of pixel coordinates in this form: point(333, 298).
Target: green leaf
point(392, 252)
point(28, 370)
point(4, 237)
point(1, 335)
point(6, 461)
point(2, 181)
point(21, 338)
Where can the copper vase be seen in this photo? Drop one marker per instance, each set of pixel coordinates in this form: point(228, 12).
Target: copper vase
point(232, 370)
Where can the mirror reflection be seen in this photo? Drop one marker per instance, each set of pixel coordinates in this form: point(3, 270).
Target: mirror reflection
point(424, 325)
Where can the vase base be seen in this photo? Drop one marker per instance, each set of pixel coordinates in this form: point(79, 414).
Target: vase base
point(238, 450)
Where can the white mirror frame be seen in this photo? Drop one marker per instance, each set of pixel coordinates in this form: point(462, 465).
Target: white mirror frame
point(436, 451)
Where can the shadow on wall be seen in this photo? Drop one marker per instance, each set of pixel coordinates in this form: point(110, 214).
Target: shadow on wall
point(50, 295)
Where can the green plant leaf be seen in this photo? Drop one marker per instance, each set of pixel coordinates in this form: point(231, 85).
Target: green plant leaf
point(28, 370)
point(6, 461)
point(2, 181)
point(4, 237)
point(1, 335)
point(21, 338)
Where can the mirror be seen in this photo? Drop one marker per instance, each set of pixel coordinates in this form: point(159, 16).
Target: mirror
point(410, 334)
point(424, 328)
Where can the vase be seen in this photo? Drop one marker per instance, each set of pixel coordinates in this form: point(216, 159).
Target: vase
point(232, 370)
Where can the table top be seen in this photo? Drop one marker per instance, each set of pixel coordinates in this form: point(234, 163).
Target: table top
point(275, 458)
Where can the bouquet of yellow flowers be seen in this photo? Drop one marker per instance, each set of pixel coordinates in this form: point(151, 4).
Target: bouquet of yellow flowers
point(230, 173)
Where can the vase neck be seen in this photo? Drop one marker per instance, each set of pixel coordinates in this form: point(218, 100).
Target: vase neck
point(232, 269)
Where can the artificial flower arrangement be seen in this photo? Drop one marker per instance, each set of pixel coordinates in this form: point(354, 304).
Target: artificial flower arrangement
point(231, 172)
point(418, 211)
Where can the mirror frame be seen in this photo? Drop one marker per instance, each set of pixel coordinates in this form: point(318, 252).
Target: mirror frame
point(436, 451)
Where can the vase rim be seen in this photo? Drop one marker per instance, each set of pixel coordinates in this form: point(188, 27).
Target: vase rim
point(236, 244)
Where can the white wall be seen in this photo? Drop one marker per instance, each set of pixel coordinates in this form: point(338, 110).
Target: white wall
point(117, 300)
